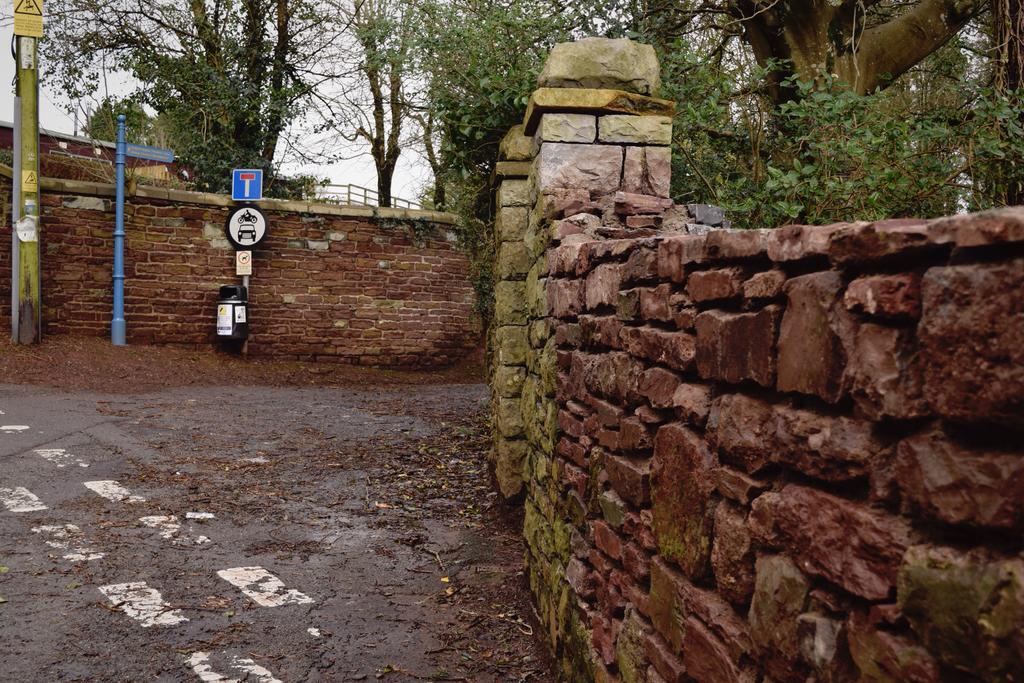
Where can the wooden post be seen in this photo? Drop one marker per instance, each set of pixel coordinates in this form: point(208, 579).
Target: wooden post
point(28, 329)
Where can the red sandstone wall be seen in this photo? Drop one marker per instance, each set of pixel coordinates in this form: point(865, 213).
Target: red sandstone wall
point(324, 287)
point(787, 455)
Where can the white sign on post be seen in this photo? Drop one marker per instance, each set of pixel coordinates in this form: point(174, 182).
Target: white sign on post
point(243, 263)
point(246, 227)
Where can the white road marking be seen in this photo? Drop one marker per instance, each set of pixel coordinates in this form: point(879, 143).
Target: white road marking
point(263, 587)
point(169, 528)
point(168, 525)
point(199, 661)
point(12, 429)
point(199, 515)
point(62, 537)
point(20, 499)
point(59, 457)
point(142, 603)
point(111, 490)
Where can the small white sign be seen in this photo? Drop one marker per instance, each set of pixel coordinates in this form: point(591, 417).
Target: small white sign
point(26, 228)
point(224, 320)
point(243, 263)
point(239, 314)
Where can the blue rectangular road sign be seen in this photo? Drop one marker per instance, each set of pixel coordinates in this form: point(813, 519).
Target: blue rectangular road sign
point(246, 184)
point(152, 153)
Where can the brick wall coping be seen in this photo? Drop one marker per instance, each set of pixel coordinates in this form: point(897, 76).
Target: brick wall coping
point(82, 187)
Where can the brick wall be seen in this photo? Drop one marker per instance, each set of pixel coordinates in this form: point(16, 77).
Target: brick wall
point(775, 455)
point(329, 283)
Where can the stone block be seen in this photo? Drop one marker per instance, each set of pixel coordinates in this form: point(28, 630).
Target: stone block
point(736, 244)
point(637, 130)
point(667, 665)
point(636, 203)
point(510, 223)
point(738, 486)
point(971, 337)
point(713, 285)
point(674, 349)
point(739, 426)
point(510, 303)
point(646, 171)
point(675, 252)
point(996, 226)
point(883, 373)
point(514, 193)
point(823, 646)
point(956, 485)
point(510, 456)
point(508, 417)
point(513, 261)
point(886, 296)
point(732, 554)
point(602, 288)
point(737, 346)
point(849, 544)
point(592, 168)
point(511, 344)
point(707, 658)
point(654, 303)
point(576, 224)
point(882, 655)
point(630, 478)
point(780, 596)
point(967, 609)
point(812, 356)
point(797, 242)
point(658, 386)
point(886, 240)
point(630, 653)
point(565, 297)
point(516, 145)
point(507, 381)
point(764, 285)
point(560, 127)
point(616, 63)
point(681, 487)
point(641, 265)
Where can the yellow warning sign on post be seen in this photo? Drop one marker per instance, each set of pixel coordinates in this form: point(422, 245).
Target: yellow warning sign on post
point(28, 18)
point(29, 181)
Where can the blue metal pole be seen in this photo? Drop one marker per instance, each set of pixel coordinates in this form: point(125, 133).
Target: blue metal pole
point(117, 325)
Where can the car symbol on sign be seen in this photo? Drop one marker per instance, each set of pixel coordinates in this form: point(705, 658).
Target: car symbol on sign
point(246, 221)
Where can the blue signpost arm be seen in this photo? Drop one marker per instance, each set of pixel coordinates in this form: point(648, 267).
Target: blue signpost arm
point(117, 324)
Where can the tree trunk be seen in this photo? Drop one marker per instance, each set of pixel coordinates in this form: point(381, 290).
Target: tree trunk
point(1009, 42)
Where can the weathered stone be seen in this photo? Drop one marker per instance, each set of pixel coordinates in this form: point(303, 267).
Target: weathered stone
point(885, 657)
point(956, 485)
point(565, 297)
point(632, 203)
point(613, 375)
point(996, 226)
point(514, 193)
point(677, 251)
point(882, 240)
point(510, 456)
point(641, 265)
point(681, 486)
point(640, 130)
point(692, 403)
point(559, 202)
point(823, 647)
point(668, 666)
point(616, 63)
point(647, 171)
point(564, 259)
point(507, 381)
point(658, 386)
point(851, 545)
point(513, 260)
point(764, 285)
point(738, 486)
point(732, 557)
point(712, 285)
point(708, 659)
point(739, 427)
point(737, 346)
point(593, 168)
point(967, 609)
point(886, 296)
point(577, 224)
point(602, 288)
point(567, 128)
point(812, 357)
point(630, 646)
point(510, 223)
point(510, 303)
point(972, 342)
point(796, 242)
point(517, 146)
point(613, 508)
point(654, 303)
point(821, 446)
point(674, 349)
point(511, 344)
point(630, 477)
point(508, 418)
point(779, 598)
point(592, 101)
point(733, 244)
point(883, 374)
point(633, 435)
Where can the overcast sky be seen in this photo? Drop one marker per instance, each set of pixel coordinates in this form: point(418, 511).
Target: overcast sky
point(410, 177)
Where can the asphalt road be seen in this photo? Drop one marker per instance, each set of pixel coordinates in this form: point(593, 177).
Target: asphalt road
point(256, 534)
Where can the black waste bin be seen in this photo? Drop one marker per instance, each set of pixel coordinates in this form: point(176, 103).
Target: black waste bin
point(233, 312)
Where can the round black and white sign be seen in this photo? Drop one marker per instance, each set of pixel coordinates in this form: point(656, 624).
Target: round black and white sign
point(246, 227)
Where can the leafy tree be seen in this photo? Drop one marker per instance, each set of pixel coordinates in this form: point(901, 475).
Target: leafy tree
point(228, 77)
